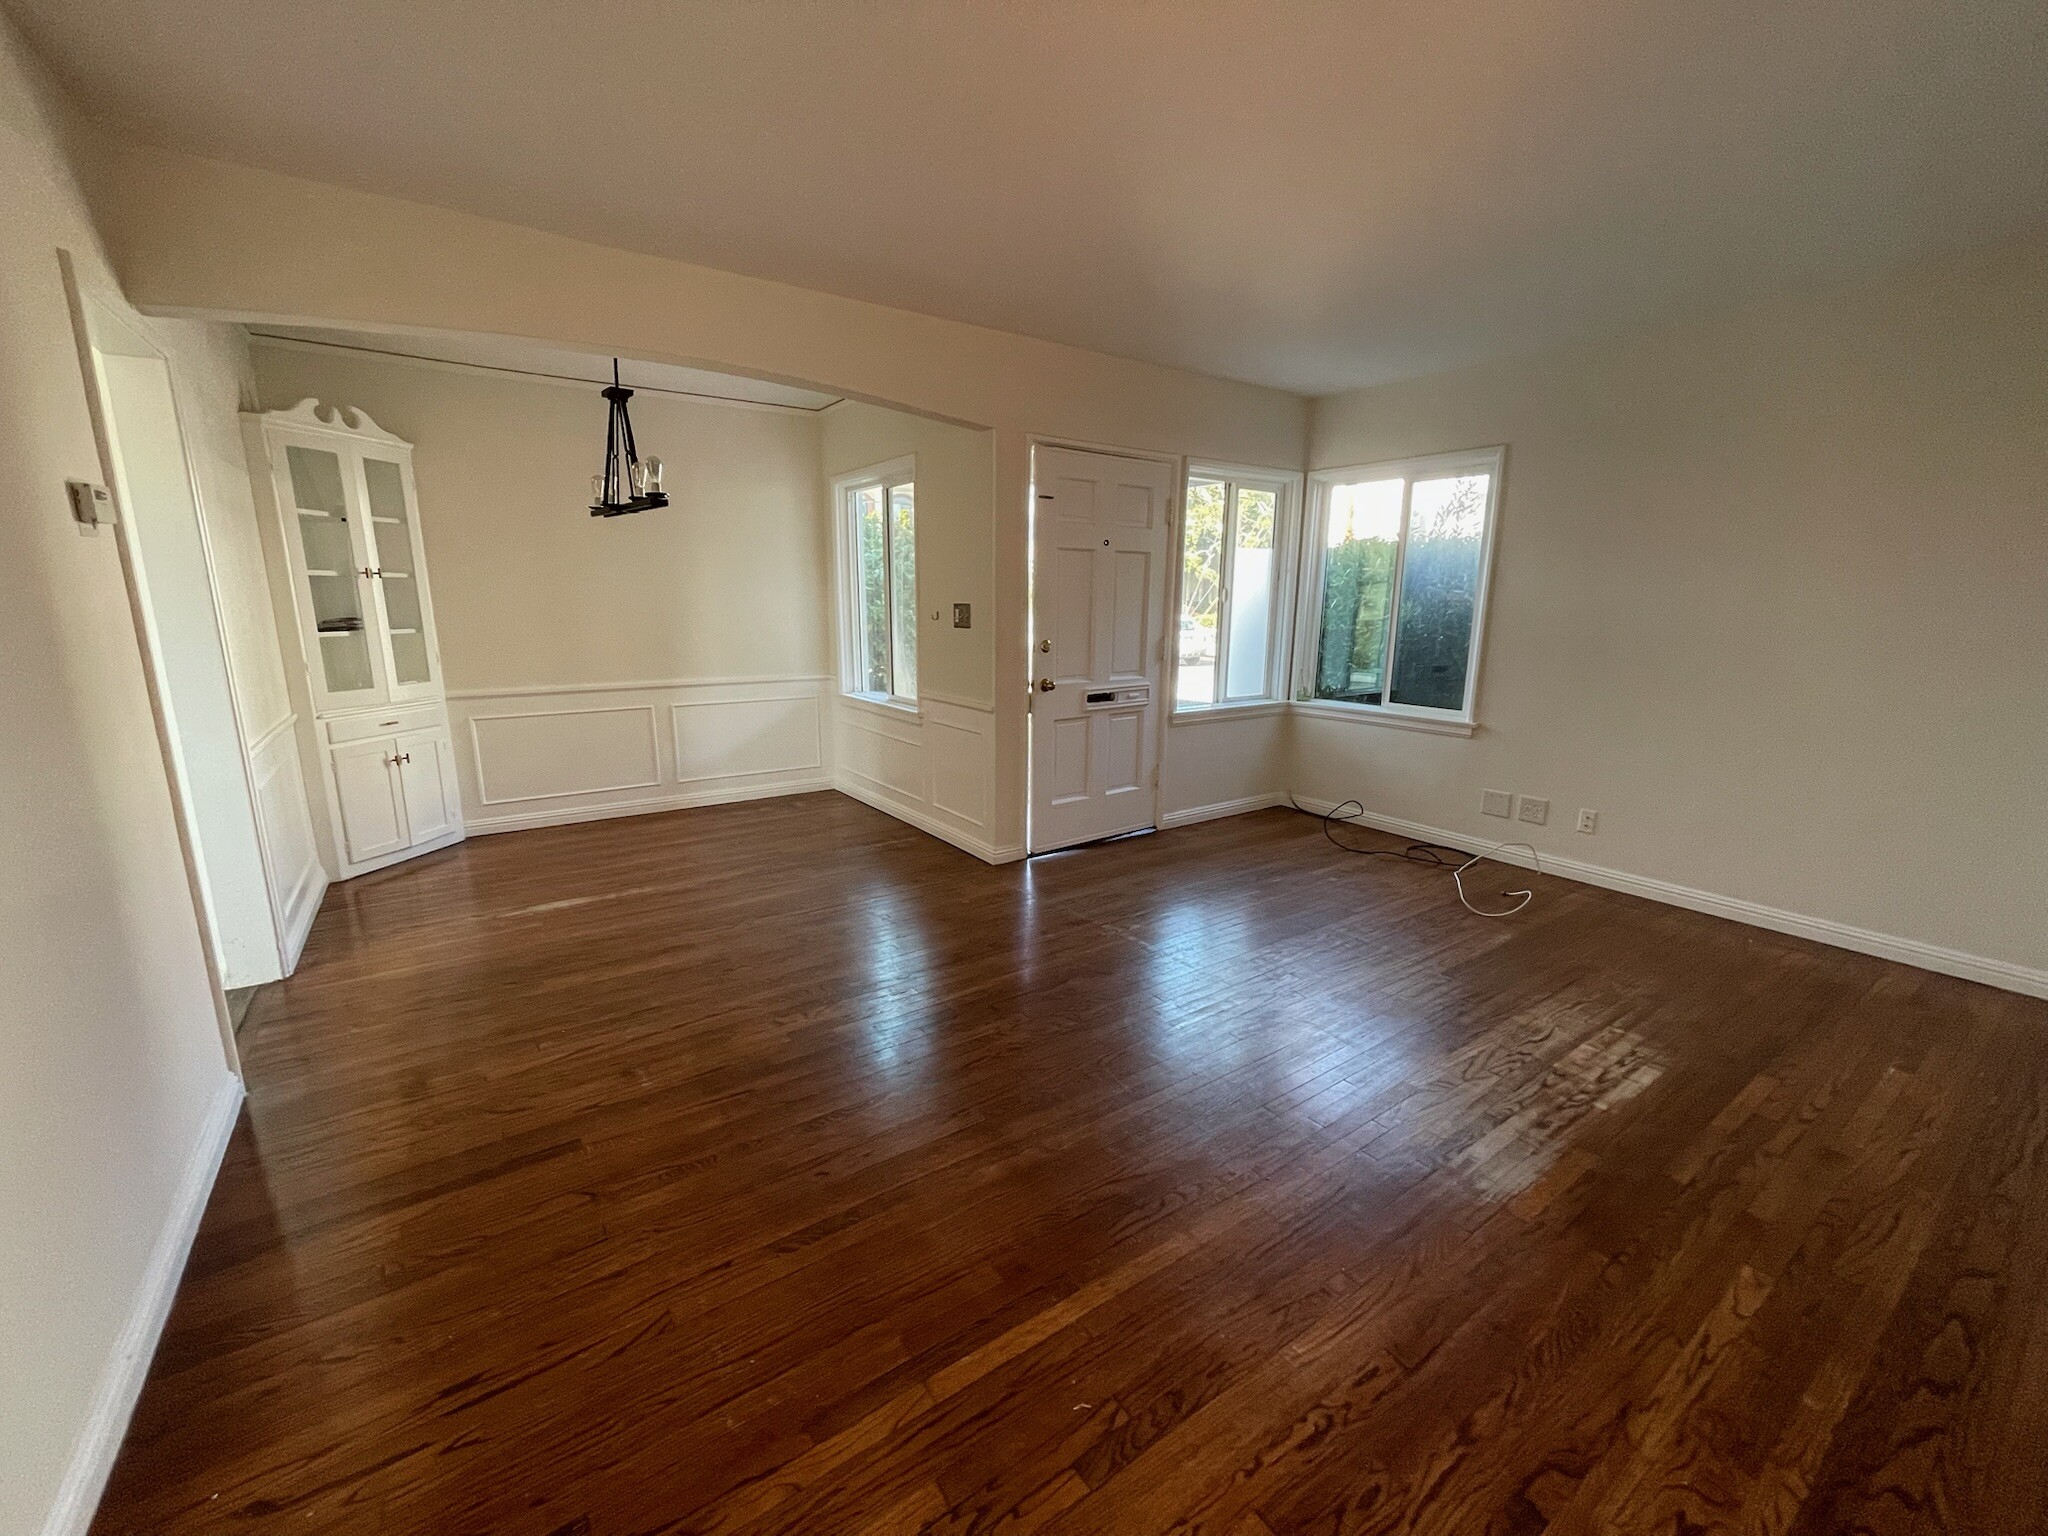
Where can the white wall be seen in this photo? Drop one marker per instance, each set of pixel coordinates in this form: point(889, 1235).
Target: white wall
point(1771, 593)
point(116, 1085)
point(601, 665)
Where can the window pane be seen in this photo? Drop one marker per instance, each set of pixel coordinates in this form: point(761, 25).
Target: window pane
point(1358, 573)
point(1252, 580)
point(871, 667)
point(1439, 588)
point(903, 579)
point(1201, 593)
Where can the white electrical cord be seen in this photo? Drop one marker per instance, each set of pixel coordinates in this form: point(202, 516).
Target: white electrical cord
point(1458, 878)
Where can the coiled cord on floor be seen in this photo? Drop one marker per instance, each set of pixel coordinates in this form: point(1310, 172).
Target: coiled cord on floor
point(1430, 855)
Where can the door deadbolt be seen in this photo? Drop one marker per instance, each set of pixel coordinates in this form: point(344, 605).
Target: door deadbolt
point(1045, 645)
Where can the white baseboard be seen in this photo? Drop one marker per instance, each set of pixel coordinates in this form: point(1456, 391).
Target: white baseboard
point(1865, 941)
point(869, 793)
point(299, 915)
point(1221, 808)
point(120, 1385)
point(560, 816)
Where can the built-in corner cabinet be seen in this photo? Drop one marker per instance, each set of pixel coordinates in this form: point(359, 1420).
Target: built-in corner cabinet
point(358, 631)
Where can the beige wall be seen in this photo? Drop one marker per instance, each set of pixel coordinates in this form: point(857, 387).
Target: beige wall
point(107, 1022)
point(938, 768)
point(530, 589)
point(956, 488)
point(599, 666)
point(203, 237)
point(1771, 593)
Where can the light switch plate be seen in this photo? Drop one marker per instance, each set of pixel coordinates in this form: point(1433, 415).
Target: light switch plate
point(1535, 812)
point(963, 616)
point(1496, 802)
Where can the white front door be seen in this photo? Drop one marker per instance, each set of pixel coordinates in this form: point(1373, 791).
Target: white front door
point(1101, 532)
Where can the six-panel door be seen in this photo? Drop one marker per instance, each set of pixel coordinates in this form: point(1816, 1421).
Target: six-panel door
point(1101, 531)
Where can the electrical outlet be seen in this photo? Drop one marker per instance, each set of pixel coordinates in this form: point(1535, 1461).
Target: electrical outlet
point(1496, 802)
point(1535, 812)
point(1589, 821)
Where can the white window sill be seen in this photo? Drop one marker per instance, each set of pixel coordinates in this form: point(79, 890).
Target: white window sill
point(1374, 714)
point(1244, 709)
point(885, 703)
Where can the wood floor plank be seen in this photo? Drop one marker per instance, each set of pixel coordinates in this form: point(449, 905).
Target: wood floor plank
point(776, 1168)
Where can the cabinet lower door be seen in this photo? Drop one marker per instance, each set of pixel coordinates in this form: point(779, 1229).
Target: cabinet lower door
point(426, 770)
point(366, 781)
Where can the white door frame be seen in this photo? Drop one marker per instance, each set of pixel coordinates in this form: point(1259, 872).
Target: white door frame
point(88, 312)
point(1177, 491)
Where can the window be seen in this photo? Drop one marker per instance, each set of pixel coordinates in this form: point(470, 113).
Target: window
point(1398, 585)
point(1235, 538)
point(878, 563)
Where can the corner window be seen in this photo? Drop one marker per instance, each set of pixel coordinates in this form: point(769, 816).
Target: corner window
point(1236, 531)
point(878, 567)
point(1398, 586)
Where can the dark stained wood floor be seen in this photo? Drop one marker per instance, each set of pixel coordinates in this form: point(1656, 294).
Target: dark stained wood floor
point(774, 1167)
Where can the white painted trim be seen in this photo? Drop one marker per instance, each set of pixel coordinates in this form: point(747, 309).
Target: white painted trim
point(652, 805)
point(1220, 809)
point(300, 910)
point(412, 851)
point(891, 707)
point(127, 1366)
point(476, 752)
point(675, 738)
point(1244, 709)
point(549, 690)
point(309, 415)
point(1379, 714)
point(1288, 518)
point(880, 797)
point(1864, 941)
point(933, 696)
point(260, 337)
point(270, 733)
point(1314, 550)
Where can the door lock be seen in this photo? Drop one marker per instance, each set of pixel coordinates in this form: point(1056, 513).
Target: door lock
point(1046, 685)
point(1045, 645)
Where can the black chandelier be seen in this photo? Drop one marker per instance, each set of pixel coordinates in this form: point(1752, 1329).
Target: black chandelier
point(629, 483)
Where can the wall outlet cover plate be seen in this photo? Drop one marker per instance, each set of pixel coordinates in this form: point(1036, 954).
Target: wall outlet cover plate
point(1496, 802)
point(1535, 812)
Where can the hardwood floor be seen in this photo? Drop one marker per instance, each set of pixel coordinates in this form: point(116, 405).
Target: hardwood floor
point(775, 1167)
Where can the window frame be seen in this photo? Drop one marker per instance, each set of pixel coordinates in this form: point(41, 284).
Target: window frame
point(1308, 611)
point(1286, 486)
point(886, 477)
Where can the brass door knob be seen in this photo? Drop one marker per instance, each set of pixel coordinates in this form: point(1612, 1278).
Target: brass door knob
point(1046, 685)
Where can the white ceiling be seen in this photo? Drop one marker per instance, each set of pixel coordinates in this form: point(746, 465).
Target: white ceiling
point(1305, 193)
point(503, 354)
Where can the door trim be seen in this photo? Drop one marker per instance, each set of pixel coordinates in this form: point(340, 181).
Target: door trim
point(77, 299)
point(1177, 492)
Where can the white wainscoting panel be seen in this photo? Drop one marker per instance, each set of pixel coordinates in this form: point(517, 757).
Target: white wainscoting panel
point(284, 825)
point(580, 752)
point(737, 738)
point(932, 768)
point(546, 754)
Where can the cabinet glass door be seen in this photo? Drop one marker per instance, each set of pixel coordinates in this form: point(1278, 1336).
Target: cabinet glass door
point(395, 543)
point(334, 590)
